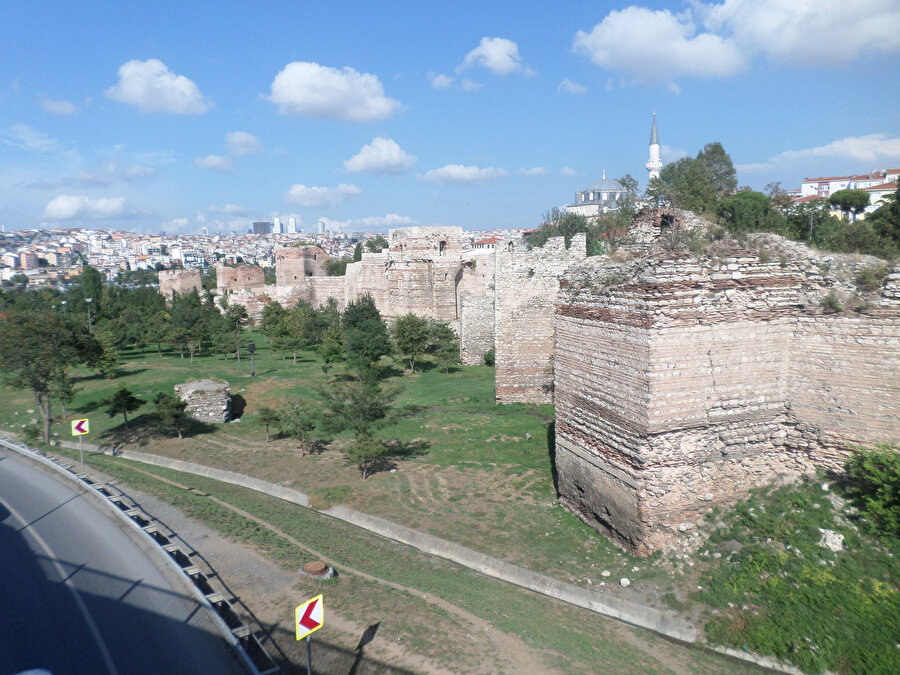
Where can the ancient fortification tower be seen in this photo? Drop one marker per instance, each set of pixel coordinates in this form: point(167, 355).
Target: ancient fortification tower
point(653, 164)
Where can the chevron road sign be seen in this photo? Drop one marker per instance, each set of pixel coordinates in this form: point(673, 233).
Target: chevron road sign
point(310, 616)
point(81, 427)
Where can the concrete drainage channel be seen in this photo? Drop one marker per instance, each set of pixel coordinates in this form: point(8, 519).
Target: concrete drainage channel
point(203, 581)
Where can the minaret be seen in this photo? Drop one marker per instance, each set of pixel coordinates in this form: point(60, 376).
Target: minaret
point(653, 164)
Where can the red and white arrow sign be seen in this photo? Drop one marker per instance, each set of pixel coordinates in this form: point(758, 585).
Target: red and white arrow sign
point(80, 427)
point(310, 616)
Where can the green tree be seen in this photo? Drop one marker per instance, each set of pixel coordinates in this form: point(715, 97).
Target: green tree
point(873, 483)
point(360, 406)
point(268, 417)
point(91, 282)
point(357, 252)
point(36, 349)
point(376, 244)
point(171, 411)
point(237, 318)
point(365, 451)
point(336, 267)
point(685, 184)
point(296, 421)
point(779, 197)
point(190, 322)
point(721, 170)
point(110, 359)
point(444, 345)
point(747, 212)
point(64, 388)
point(886, 218)
point(366, 337)
point(331, 348)
point(122, 402)
point(20, 279)
point(411, 337)
point(849, 201)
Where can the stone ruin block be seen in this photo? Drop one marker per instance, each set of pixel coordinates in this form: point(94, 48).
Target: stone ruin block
point(207, 400)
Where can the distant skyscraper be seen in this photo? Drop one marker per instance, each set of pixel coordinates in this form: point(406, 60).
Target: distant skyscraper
point(292, 225)
point(276, 225)
point(653, 164)
point(262, 227)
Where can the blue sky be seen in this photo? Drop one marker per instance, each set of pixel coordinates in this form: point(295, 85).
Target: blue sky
point(177, 115)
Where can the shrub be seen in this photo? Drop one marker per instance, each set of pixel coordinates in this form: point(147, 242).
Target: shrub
point(489, 357)
point(871, 278)
point(830, 304)
point(873, 484)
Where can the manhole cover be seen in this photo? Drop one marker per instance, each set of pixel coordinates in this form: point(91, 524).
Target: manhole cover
point(316, 568)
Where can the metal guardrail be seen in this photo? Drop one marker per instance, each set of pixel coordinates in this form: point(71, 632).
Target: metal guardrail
point(202, 582)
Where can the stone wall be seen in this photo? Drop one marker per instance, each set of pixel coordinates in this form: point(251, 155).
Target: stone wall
point(207, 400)
point(240, 278)
point(525, 294)
point(682, 383)
point(475, 307)
point(179, 281)
point(294, 264)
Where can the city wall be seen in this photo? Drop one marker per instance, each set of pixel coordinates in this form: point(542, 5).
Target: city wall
point(681, 383)
point(525, 295)
point(179, 281)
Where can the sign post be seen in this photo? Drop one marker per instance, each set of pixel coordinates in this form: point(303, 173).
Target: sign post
point(308, 618)
point(80, 428)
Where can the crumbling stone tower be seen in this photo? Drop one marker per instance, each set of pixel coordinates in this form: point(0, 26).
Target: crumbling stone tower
point(179, 281)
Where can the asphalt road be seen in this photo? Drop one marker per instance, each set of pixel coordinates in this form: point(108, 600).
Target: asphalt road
point(79, 594)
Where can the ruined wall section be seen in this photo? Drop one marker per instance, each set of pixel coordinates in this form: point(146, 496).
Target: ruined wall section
point(526, 287)
point(179, 281)
point(296, 263)
point(475, 307)
point(239, 278)
point(682, 384)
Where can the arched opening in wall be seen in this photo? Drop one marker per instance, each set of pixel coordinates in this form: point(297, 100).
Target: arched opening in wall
point(441, 246)
point(666, 220)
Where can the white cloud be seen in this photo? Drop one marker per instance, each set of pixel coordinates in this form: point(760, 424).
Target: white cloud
point(499, 55)
point(808, 33)
point(152, 87)
point(871, 148)
point(439, 81)
point(569, 87)
point(216, 163)
point(240, 143)
point(536, 171)
point(29, 138)
point(657, 46)
point(669, 154)
point(139, 171)
point(69, 207)
point(381, 156)
point(228, 208)
point(330, 225)
point(462, 175)
point(468, 85)
point(390, 220)
point(312, 196)
point(57, 107)
point(175, 224)
point(304, 88)
point(566, 171)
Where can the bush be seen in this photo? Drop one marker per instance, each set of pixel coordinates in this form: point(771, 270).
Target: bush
point(871, 278)
point(873, 484)
point(489, 357)
point(830, 304)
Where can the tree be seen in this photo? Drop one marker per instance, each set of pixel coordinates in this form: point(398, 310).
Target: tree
point(36, 349)
point(366, 337)
point(360, 405)
point(411, 337)
point(886, 219)
point(850, 200)
point(190, 322)
point(357, 252)
point(91, 282)
point(237, 318)
point(779, 197)
point(364, 452)
point(685, 184)
point(296, 421)
point(557, 224)
point(64, 389)
point(109, 360)
point(336, 267)
point(744, 211)
point(331, 348)
point(721, 170)
point(444, 344)
point(268, 417)
point(122, 401)
point(171, 411)
point(376, 244)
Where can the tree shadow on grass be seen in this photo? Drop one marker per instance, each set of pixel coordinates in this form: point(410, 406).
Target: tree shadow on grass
point(551, 451)
point(146, 428)
point(397, 451)
point(238, 406)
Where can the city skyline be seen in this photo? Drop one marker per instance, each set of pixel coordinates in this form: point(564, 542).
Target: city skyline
point(172, 117)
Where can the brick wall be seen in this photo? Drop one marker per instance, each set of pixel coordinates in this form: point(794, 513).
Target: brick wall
point(179, 281)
